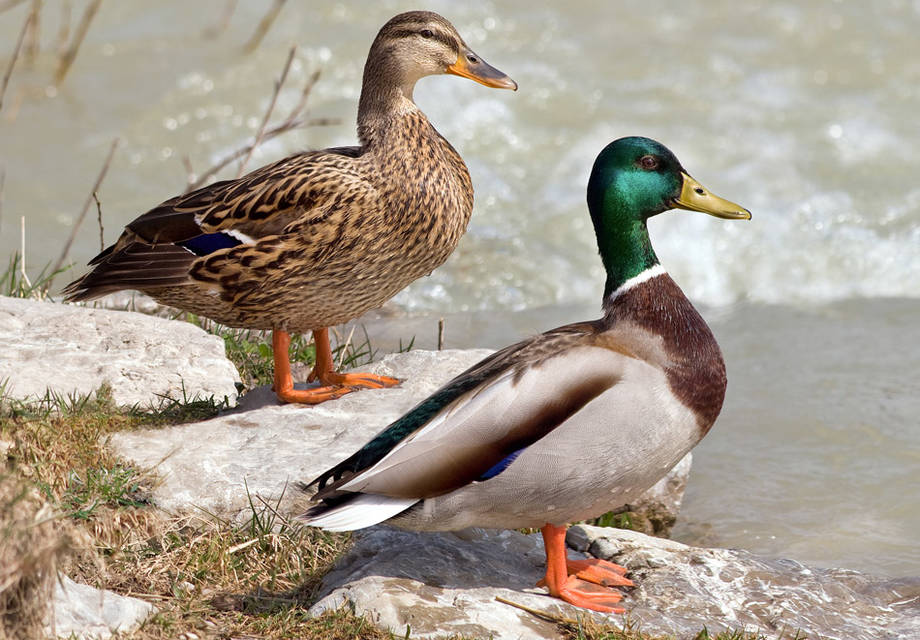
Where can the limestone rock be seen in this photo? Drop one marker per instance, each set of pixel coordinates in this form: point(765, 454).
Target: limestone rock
point(681, 588)
point(82, 611)
point(73, 349)
point(440, 584)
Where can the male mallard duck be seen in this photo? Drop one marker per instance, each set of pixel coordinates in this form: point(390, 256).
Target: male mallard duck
point(320, 237)
point(570, 423)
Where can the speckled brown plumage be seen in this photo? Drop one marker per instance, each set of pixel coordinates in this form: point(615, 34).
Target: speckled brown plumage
point(328, 234)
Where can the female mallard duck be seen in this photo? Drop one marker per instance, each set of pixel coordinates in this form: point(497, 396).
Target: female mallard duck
point(570, 423)
point(320, 237)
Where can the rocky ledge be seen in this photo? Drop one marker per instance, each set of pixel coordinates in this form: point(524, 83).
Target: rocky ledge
point(442, 584)
point(70, 349)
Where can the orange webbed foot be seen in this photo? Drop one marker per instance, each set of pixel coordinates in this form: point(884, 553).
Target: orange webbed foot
point(352, 381)
point(599, 572)
point(334, 385)
point(585, 583)
point(590, 596)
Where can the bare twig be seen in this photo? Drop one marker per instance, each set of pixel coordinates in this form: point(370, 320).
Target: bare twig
point(293, 121)
point(9, 4)
point(22, 251)
point(440, 334)
point(76, 226)
point(99, 220)
point(70, 55)
point(264, 25)
point(32, 36)
point(16, 50)
point(223, 23)
point(270, 134)
point(2, 184)
point(63, 34)
point(345, 346)
point(268, 112)
point(189, 171)
point(545, 615)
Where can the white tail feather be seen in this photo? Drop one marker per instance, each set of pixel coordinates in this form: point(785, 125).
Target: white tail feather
point(365, 510)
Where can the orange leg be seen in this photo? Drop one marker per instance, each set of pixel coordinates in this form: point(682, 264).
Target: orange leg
point(335, 385)
point(572, 588)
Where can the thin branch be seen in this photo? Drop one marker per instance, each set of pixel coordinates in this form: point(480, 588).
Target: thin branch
point(63, 34)
point(2, 184)
point(71, 53)
point(16, 50)
point(9, 4)
point(268, 112)
point(22, 251)
point(76, 226)
point(223, 23)
point(345, 346)
point(441, 334)
point(99, 220)
point(270, 134)
point(189, 171)
point(545, 615)
point(264, 25)
point(293, 121)
point(33, 36)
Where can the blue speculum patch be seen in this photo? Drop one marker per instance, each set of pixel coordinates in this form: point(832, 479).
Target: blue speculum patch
point(501, 466)
point(209, 243)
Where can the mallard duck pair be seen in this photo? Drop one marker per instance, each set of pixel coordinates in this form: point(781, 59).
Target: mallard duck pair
point(560, 427)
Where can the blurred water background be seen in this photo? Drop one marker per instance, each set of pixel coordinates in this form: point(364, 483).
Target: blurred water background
point(805, 112)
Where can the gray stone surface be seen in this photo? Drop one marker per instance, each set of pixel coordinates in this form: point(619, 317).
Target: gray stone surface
point(446, 583)
point(443, 584)
point(81, 611)
point(74, 349)
point(681, 588)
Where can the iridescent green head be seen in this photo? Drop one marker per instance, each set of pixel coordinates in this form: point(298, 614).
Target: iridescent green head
point(632, 180)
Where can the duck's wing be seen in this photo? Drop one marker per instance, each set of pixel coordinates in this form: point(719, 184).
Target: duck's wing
point(259, 204)
point(159, 247)
point(473, 427)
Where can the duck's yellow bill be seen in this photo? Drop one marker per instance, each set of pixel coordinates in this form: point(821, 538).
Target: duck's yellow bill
point(469, 65)
point(695, 197)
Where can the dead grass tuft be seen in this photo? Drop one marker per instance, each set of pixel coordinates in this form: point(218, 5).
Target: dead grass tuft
point(31, 540)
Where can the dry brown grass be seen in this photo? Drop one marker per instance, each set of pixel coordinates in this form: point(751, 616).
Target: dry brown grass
point(31, 540)
point(209, 577)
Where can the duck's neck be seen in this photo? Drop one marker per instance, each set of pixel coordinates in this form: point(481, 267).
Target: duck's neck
point(622, 239)
point(386, 93)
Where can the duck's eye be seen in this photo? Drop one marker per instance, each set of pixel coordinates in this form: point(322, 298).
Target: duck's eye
point(426, 33)
point(649, 163)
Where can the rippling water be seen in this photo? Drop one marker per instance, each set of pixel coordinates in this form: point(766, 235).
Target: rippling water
point(805, 112)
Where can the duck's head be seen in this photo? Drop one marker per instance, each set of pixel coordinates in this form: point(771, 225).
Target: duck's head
point(416, 44)
point(632, 180)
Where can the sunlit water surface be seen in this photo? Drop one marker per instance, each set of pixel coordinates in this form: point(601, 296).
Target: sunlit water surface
point(805, 112)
